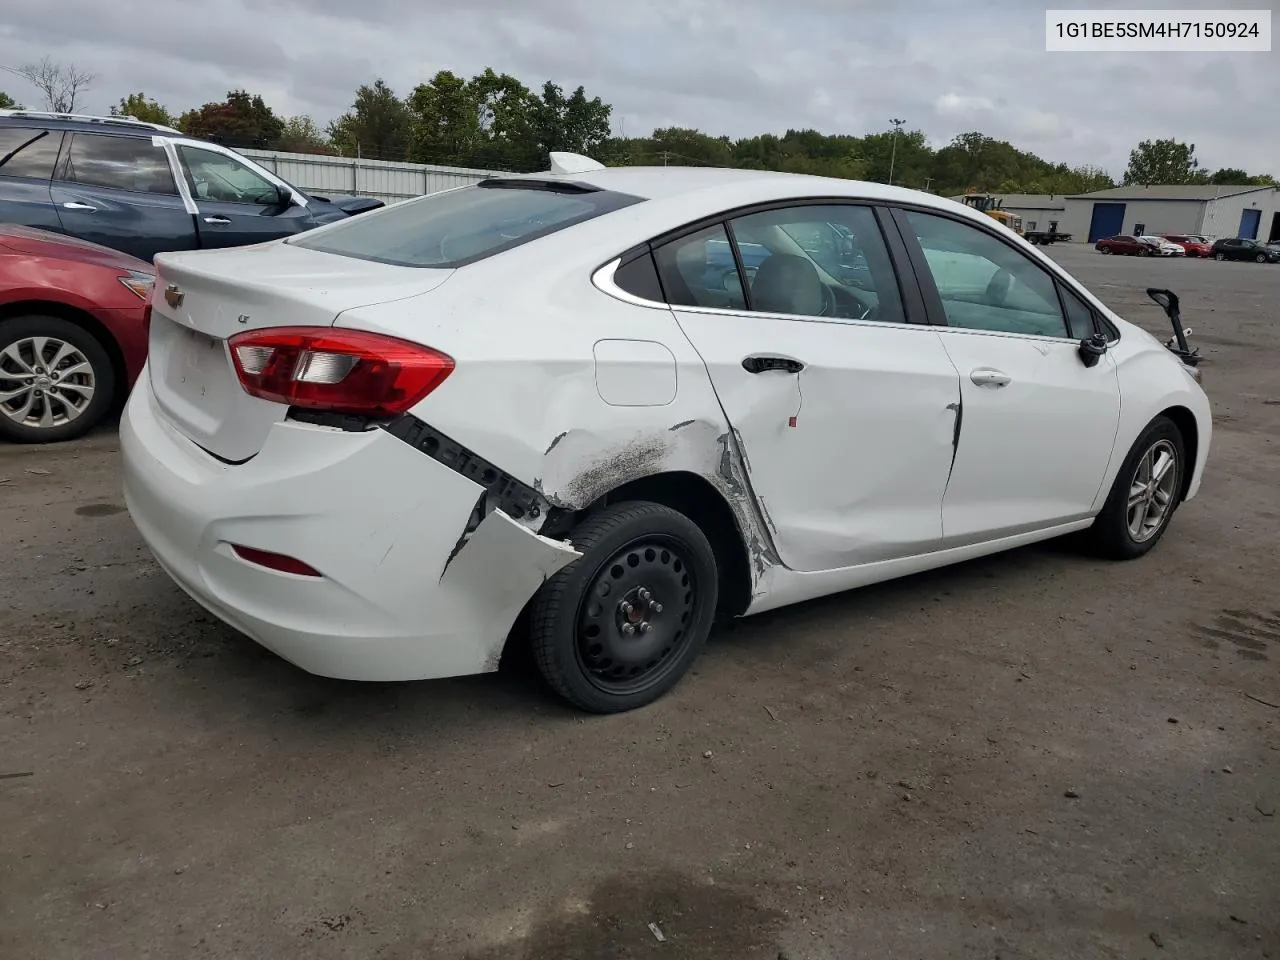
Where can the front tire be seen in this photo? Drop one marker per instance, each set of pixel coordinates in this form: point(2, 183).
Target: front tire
point(1145, 494)
point(56, 380)
point(1219, 256)
point(1260, 258)
point(618, 628)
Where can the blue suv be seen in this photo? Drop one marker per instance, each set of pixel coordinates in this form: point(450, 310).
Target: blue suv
point(145, 189)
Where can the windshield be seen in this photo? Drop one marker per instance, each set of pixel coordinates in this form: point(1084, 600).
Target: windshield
point(457, 227)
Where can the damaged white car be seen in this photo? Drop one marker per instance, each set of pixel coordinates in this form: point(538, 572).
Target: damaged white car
point(620, 402)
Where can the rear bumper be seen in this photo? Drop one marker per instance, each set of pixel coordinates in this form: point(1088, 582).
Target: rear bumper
point(379, 520)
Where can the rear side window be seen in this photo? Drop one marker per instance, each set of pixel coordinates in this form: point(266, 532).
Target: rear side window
point(639, 277)
point(121, 163)
point(457, 227)
point(28, 152)
point(699, 270)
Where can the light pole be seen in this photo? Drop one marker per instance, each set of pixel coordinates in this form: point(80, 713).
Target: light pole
point(893, 154)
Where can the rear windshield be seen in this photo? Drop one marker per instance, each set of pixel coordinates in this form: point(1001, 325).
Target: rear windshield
point(457, 227)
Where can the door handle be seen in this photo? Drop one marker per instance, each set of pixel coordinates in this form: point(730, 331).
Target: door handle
point(216, 220)
point(761, 364)
point(986, 377)
point(77, 205)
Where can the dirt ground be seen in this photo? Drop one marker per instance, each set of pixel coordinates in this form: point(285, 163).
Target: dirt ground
point(1034, 755)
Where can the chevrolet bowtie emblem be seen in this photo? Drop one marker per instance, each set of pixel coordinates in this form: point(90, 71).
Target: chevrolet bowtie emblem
point(173, 296)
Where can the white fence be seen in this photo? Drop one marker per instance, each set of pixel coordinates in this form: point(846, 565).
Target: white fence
point(368, 178)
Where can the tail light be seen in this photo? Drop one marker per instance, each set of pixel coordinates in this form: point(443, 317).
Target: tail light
point(341, 371)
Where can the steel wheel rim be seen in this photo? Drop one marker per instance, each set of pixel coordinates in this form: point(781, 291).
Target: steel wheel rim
point(45, 382)
point(623, 663)
point(1152, 491)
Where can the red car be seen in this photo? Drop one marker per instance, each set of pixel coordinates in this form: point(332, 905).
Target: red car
point(1129, 246)
point(73, 332)
point(1195, 245)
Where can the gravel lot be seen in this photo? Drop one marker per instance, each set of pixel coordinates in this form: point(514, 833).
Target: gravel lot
point(1034, 755)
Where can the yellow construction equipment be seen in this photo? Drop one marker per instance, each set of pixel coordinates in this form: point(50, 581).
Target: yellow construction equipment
point(991, 206)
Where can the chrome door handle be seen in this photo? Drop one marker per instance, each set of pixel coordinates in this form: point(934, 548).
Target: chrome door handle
point(986, 377)
point(77, 205)
point(216, 220)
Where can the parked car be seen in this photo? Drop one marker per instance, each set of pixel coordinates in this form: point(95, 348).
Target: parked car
point(143, 188)
point(1163, 247)
point(1194, 244)
point(1238, 248)
point(1127, 245)
point(372, 446)
point(72, 332)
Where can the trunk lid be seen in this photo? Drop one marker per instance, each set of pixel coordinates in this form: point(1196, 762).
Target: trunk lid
point(202, 299)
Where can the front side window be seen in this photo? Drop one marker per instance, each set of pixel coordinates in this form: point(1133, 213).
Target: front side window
point(120, 163)
point(221, 178)
point(457, 227)
point(28, 152)
point(985, 284)
point(1079, 316)
point(826, 261)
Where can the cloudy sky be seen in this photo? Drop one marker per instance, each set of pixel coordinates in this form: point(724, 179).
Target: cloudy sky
point(735, 67)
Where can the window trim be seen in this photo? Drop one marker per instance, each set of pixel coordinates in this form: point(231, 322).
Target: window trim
point(933, 300)
point(913, 305)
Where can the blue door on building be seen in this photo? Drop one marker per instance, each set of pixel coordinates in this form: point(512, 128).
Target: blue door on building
point(1249, 221)
point(1107, 221)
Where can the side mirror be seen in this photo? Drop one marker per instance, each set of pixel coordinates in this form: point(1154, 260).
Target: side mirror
point(1092, 349)
point(1168, 301)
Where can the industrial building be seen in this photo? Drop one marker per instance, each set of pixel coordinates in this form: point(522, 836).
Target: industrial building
point(1035, 209)
point(1211, 211)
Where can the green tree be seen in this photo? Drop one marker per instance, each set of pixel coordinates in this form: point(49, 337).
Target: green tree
point(8, 103)
point(242, 120)
point(446, 120)
point(378, 125)
point(571, 123)
point(1164, 162)
point(301, 135)
point(138, 106)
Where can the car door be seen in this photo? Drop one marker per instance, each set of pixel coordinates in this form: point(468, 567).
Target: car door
point(845, 410)
point(235, 204)
point(27, 159)
point(1037, 426)
point(119, 191)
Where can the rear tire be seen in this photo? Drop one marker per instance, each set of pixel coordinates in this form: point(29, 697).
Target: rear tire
point(1144, 495)
point(56, 380)
point(1219, 256)
point(619, 627)
point(1105, 250)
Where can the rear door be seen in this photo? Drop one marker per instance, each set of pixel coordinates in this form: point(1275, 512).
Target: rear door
point(844, 409)
point(235, 204)
point(119, 191)
point(27, 158)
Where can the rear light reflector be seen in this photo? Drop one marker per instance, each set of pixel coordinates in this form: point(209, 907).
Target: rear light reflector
point(275, 561)
point(349, 372)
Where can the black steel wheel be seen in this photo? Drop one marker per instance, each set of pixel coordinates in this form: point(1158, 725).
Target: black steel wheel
point(618, 628)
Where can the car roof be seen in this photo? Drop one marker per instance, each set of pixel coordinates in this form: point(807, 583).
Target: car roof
point(82, 123)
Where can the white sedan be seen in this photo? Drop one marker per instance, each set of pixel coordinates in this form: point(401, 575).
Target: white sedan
point(1163, 247)
point(612, 404)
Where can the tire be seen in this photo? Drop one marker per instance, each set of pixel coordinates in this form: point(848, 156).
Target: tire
point(1219, 255)
point(74, 405)
point(1113, 534)
point(578, 619)
point(1144, 253)
point(1260, 258)
point(1106, 251)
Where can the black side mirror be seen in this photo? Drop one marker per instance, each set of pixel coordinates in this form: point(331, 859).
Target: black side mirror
point(1092, 349)
point(1168, 301)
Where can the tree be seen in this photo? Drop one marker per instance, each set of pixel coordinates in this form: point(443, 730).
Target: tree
point(61, 85)
point(137, 105)
point(1164, 162)
point(446, 120)
point(242, 120)
point(301, 135)
point(378, 125)
point(571, 123)
point(7, 102)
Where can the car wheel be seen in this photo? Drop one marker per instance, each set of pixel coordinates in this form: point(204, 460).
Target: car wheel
point(1144, 253)
point(1145, 494)
point(1261, 258)
point(619, 627)
point(56, 380)
point(1219, 256)
point(1105, 250)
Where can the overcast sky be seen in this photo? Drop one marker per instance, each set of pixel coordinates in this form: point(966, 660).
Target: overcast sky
point(736, 67)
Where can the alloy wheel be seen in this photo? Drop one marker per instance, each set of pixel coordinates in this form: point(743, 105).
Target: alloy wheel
point(44, 382)
point(1152, 491)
